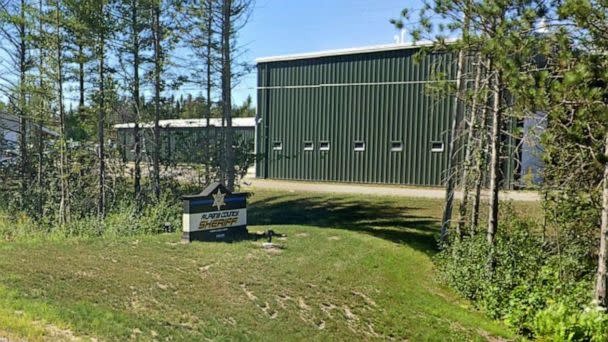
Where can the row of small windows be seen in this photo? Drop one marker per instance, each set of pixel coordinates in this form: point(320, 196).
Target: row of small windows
point(358, 146)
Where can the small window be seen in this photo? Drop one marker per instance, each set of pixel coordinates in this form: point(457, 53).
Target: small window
point(309, 146)
point(359, 146)
point(324, 146)
point(277, 145)
point(437, 146)
point(396, 146)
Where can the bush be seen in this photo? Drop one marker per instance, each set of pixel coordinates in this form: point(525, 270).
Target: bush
point(525, 282)
point(560, 322)
point(122, 219)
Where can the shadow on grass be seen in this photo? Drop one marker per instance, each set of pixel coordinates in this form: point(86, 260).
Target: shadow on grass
point(383, 219)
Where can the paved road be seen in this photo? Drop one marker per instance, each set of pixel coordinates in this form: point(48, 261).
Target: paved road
point(374, 190)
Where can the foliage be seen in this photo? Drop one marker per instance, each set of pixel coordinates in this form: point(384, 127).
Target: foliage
point(529, 280)
point(123, 219)
point(560, 322)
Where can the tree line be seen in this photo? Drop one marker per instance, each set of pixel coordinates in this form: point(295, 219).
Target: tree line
point(516, 61)
point(78, 67)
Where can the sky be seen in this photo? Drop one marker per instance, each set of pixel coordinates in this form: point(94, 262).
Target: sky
point(280, 27)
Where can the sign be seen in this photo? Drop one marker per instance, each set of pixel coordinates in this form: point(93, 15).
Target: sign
point(216, 214)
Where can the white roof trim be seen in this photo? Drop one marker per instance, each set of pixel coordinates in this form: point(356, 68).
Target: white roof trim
point(351, 51)
point(192, 123)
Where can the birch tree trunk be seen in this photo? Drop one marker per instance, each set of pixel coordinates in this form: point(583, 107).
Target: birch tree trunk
point(480, 151)
point(64, 207)
point(472, 127)
point(494, 158)
point(601, 295)
point(452, 155)
point(450, 179)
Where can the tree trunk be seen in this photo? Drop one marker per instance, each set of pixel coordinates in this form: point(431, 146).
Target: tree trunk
point(64, 206)
point(601, 295)
point(480, 158)
point(23, 122)
point(136, 102)
point(80, 78)
point(494, 158)
point(472, 127)
point(208, 66)
point(227, 92)
point(101, 207)
point(452, 136)
point(157, 87)
point(40, 168)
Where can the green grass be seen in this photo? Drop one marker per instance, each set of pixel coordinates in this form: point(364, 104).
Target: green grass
point(352, 268)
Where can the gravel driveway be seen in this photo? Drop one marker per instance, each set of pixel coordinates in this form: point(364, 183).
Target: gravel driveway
point(373, 190)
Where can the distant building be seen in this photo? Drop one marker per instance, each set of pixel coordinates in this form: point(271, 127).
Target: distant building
point(10, 129)
point(10, 133)
point(531, 155)
point(185, 140)
point(363, 115)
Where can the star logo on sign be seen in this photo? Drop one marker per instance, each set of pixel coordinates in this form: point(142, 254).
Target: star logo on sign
point(218, 200)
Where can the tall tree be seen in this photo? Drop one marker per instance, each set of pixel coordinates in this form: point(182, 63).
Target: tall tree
point(157, 34)
point(226, 30)
point(502, 33)
point(135, 35)
point(23, 122)
point(201, 37)
point(472, 128)
point(134, 15)
point(42, 100)
point(584, 104)
point(453, 134)
point(234, 15)
point(64, 206)
point(480, 151)
point(495, 141)
point(101, 32)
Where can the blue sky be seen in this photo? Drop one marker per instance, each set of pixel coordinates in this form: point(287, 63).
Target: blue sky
point(279, 27)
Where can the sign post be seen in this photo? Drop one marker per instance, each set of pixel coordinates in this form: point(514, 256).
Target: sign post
point(216, 214)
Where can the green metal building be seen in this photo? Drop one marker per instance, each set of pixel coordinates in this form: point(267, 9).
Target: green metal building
point(185, 140)
point(362, 115)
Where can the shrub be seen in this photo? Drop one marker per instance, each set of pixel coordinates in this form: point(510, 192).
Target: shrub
point(528, 282)
point(560, 322)
point(125, 220)
point(122, 219)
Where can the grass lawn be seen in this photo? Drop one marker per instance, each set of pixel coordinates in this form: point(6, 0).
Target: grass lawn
point(352, 268)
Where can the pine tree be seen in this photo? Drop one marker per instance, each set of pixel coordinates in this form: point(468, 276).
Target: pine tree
point(234, 14)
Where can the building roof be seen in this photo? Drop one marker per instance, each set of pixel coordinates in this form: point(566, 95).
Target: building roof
point(351, 51)
point(192, 123)
point(10, 123)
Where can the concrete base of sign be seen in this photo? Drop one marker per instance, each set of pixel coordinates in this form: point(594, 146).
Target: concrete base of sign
point(223, 234)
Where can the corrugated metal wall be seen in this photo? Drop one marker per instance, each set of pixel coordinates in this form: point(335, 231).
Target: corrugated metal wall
point(376, 98)
point(183, 145)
